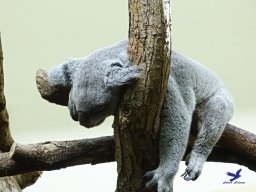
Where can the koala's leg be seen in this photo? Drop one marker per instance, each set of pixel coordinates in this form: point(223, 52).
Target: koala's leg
point(175, 126)
point(214, 114)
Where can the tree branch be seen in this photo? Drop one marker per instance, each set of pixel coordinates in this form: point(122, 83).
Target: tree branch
point(61, 154)
point(6, 139)
point(54, 94)
point(56, 155)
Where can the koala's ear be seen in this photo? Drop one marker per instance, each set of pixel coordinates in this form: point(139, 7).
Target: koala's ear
point(60, 75)
point(118, 74)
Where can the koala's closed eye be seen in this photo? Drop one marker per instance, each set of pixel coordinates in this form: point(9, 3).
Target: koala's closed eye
point(116, 64)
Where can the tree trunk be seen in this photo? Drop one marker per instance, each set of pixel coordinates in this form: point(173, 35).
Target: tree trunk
point(136, 127)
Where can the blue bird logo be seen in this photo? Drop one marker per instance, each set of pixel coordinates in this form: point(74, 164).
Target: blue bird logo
point(235, 176)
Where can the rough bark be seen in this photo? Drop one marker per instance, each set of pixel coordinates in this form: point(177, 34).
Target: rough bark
point(18, 182)
point(9, 184)
point(54, 94)
point(136, 127)
point(56, 155)
point(6, 139)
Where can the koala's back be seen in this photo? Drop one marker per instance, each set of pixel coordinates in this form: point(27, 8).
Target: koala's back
point(191, 75)
point(187, 73)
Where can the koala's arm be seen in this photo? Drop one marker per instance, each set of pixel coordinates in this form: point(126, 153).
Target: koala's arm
point(175, 125)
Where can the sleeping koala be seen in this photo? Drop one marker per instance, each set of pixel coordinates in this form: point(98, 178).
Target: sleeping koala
point(97, 83)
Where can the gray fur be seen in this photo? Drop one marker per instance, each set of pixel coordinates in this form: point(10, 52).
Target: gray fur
point(97, 83)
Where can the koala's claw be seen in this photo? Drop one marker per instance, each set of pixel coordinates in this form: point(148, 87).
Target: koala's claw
point(194, 167)
point(190, 175)
point(184, 175)
point(158, 181)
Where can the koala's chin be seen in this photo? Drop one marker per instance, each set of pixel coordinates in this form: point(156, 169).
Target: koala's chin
point(90, 122)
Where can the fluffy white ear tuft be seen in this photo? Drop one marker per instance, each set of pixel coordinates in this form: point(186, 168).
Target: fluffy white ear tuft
point(118, 75)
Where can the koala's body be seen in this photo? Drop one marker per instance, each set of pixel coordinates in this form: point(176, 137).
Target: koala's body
point(97, 83)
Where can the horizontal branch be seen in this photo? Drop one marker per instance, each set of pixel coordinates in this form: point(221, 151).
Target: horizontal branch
point(62, 154)
point(56, 155)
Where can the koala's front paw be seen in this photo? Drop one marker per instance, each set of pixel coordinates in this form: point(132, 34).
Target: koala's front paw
point(194, 167)
point(159, 180)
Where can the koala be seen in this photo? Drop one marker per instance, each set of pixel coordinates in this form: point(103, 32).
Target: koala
point(98, 81)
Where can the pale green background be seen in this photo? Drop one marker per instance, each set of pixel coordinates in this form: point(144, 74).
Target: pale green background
point(39, 34)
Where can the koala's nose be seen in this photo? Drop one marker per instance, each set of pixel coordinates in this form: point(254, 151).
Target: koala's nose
point(73, 112)
point(72, 109)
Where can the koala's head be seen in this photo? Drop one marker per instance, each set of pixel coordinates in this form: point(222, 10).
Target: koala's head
point(96, 83)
